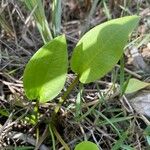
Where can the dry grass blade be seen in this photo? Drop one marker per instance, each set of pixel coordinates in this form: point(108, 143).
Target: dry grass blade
point(90, 15)
point(56, 16)
point(39, 16)
point(27, 139)
point(5, 25)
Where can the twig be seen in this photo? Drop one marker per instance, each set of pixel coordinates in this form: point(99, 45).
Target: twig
point(131, 72)
point(95, 102)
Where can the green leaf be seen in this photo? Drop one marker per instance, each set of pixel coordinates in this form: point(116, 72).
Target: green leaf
point(45, 73)
point(100, 49)
point(86, 145)
point(135, 85)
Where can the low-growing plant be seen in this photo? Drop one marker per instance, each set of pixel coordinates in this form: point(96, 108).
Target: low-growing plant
point(94, 56)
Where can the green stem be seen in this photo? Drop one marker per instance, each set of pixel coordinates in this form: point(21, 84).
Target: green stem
point(63, 98)
point(52, 135)
point(60, 138)
point(36, 110)
point(57, 108)
point(122, 75)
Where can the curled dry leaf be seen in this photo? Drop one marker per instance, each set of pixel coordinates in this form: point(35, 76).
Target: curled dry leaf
point(138, 94)
point(138, 60)
point(140, 101)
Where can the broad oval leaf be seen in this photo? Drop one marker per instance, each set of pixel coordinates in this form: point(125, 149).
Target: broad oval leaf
point(101, 48)
point(135, 85)
point(86, 145)
point(45, 73)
